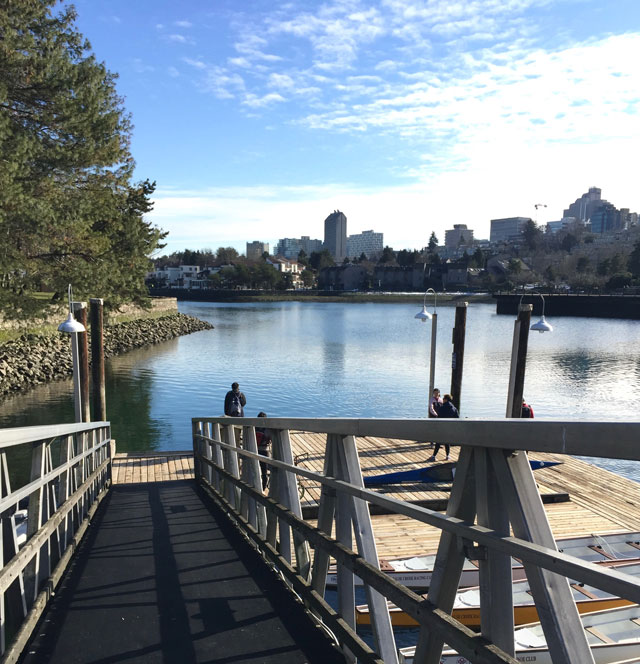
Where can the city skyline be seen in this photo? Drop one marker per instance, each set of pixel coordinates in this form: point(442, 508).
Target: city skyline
point(257, 122)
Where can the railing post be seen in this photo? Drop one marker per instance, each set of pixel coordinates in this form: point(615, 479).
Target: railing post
point(496, 583)
point(232, 493)
point(552, 595)
point(196, 430)
point(216, 434)
point(251, 474)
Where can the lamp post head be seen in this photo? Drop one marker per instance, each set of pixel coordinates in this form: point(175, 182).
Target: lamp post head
point(71, 325)
point(542, 326)
point(424, 315)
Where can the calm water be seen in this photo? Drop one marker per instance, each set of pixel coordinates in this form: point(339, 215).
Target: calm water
point(350, 360)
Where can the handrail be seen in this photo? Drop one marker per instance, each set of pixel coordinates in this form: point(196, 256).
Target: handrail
point(609, 440)
point(488, 456)
point(70, 471)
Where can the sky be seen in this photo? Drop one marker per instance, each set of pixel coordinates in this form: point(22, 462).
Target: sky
point(257, 119)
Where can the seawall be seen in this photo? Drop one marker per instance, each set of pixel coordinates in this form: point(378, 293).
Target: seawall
point(594, 306)
point(33, 359)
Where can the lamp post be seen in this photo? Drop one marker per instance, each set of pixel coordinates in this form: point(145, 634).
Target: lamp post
point(424, 316)
point(73, 327)
point(519, 353)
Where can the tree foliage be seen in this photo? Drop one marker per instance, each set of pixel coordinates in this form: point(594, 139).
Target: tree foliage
point(69, 211)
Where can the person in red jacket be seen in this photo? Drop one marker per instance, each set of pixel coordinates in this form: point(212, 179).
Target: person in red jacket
point(527, 411)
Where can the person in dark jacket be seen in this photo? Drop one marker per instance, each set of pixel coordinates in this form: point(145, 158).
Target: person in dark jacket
point(263, 440)
point(234, 402)
point(447, 410)
point(527, 411)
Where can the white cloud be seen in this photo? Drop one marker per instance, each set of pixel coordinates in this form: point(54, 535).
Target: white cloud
point(173, 72)
point(141, 67)
point(196, 64)
point(254, 101)
point(179, 39)
point(183, 24)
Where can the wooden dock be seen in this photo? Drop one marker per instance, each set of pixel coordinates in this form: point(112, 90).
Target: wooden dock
point(599, 501)
point(138, 467)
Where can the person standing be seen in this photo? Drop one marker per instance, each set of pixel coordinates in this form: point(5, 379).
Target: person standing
point(449, 411)
point(527, 410)
point(234, 402)
point(263, 440)
point(434, 403)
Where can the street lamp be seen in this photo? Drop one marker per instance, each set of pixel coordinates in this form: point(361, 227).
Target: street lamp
point(424, 316)
point(519, 353)
point(72, 326)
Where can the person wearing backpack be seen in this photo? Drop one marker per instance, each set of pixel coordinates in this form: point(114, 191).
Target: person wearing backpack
point(527, 411)
point(234, 402)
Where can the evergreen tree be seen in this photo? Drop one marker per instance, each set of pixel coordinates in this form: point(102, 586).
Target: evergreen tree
point(68, 209)
point(633, 264)
point(433, 242)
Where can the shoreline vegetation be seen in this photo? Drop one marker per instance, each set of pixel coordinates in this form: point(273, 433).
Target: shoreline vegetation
point(307, 296)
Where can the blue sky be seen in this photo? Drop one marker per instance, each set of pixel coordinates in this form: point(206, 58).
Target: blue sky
point(257, 119)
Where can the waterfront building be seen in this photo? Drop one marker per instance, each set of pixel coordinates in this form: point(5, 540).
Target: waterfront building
point(368, 243)
point(335, 235)
point(256, 249)
point(509, 228)
point(290, 247)
point(458, 236)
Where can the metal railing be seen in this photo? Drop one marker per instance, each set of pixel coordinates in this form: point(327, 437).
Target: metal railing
point(493, 493)
point(52, 479)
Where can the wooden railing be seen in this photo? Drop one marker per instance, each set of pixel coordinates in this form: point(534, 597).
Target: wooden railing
point(493, 493)
point(51, 481)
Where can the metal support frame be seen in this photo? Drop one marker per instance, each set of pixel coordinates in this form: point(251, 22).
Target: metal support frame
point(491, 482)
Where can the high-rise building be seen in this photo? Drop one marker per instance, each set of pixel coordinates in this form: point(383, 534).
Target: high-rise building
point(605, 219)
point(335, 235)
point(368, 243)
point(256, 249)
point(290, 247)
point(503, 230)
point(585, 206)
point(458, 236)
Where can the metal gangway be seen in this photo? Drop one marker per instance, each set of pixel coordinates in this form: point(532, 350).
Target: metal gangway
point(60, 475)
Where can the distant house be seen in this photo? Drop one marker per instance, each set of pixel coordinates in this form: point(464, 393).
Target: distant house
point(174, 277)
point(285, 264)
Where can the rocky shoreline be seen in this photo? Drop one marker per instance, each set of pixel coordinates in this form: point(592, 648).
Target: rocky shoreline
point(34, 359)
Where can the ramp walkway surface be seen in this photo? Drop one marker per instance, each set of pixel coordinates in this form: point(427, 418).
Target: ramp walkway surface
point(162, 576)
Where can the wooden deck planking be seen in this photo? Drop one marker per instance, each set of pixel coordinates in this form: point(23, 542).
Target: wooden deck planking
point(136, 468)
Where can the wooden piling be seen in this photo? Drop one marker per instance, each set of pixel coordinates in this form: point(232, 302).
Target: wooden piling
point(457, 357)
point(97, 360)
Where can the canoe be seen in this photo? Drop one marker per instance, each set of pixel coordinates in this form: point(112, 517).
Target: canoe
point(466, 608)
point(416, 572)
point(614, 636)
point(441, 472)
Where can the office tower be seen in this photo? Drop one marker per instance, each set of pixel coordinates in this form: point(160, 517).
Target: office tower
point(335, 235)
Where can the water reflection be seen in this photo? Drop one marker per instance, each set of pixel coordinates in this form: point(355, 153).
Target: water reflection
point(347, 360)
